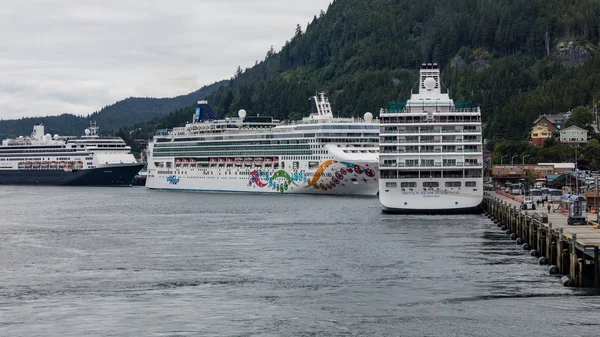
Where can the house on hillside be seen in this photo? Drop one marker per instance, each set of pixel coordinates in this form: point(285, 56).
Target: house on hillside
point(539, 134)
point(573, 135)
point(558, 120)
point(546, 121)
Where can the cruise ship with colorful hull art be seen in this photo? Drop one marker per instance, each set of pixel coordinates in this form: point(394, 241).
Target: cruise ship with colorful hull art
point(320, 154)
point(89, 160)
point(431, 152)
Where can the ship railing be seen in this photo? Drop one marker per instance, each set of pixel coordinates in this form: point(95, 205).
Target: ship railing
point(429, 165)
point(423, 108)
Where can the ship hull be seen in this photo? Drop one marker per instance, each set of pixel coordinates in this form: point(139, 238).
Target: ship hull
point(430, 200)
point(330, 178)
point(425, 211)
point(118, 175)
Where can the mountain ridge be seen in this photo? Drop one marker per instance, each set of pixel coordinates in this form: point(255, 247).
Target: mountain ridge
point(123, 113)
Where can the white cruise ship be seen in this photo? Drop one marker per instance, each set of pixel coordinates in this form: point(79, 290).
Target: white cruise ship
point(89, 160)
point(320, 154)
point(431, 152)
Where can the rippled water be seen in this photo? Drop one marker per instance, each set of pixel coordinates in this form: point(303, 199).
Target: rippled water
point(134, 262)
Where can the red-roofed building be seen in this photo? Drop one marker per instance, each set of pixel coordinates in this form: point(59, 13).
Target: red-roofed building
point(547, 122)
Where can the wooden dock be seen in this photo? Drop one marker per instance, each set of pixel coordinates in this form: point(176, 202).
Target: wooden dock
point(569, 250)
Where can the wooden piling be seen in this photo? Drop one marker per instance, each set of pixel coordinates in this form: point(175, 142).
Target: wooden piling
point(596, 269)
point(573, 272)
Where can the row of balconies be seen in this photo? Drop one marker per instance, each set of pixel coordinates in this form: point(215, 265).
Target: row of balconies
point(445, 121)
point(429, 165)
point(405, 131)
point(429, 140)
point(402, 151)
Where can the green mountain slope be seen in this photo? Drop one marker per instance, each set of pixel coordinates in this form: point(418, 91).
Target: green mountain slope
point(514, 58)
point(111, 118)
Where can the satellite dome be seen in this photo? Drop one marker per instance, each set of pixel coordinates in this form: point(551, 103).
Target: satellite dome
point(48, 136)
point(56, 136)
point(87, 131)
point(242, 113)
point(430, 83)
point(368, 117)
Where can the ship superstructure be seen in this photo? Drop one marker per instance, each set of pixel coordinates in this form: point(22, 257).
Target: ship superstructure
point(320, 154)
point(431, 152)
point(43, 159)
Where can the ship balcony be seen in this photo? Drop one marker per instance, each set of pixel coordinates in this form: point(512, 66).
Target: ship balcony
point(387, 164)
point(395, 131)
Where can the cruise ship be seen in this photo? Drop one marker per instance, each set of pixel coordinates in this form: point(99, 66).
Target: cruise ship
point(89, 160)
point(431, 152)
point(320, 154)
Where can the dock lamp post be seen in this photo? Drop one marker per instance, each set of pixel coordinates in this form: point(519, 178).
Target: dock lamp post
point(524, 158)
point(501, 158)
point(512, 160)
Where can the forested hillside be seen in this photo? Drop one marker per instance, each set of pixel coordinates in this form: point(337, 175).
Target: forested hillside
point(111, 118)
point(514, 58)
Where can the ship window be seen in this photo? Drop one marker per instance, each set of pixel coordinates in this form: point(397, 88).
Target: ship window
point(453, 184)
point(431, 184)
point(388, 174)
point(470, 184)
point(408, 184)
point(391, 185)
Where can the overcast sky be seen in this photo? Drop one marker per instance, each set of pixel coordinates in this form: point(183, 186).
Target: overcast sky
point(76, 56)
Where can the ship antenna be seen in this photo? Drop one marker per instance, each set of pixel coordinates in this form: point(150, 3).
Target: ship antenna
point(323, 105)
point(92, 130)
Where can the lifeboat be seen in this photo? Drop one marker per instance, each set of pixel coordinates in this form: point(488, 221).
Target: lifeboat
point(21, 165)
point(36, 164)
point(62, 164)
point(27, 164)
point(229, 160)
point(248, 161)
point(258, 160)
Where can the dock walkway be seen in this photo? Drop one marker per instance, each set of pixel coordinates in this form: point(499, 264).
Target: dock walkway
point(570, 250)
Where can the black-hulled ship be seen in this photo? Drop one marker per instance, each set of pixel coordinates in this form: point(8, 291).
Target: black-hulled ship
point(89, 160)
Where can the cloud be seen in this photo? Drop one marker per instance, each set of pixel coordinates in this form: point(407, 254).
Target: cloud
point(76, 56)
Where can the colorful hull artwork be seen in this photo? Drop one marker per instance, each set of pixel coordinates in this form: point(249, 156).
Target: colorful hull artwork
point(330, 175)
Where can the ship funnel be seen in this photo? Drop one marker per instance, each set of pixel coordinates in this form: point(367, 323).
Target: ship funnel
point(38, 132)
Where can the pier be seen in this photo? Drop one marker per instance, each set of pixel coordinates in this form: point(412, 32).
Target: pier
point(571, 251)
